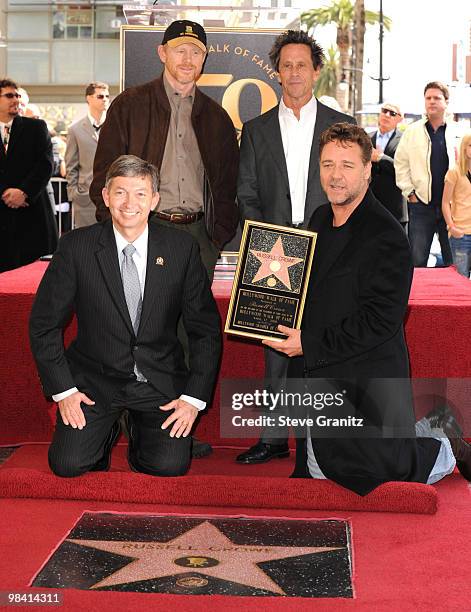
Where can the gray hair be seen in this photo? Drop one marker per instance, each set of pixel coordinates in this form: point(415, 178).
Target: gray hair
point(131, 165)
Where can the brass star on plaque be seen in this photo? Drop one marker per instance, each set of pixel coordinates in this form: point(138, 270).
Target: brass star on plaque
point(204, 548)
point(275, 264)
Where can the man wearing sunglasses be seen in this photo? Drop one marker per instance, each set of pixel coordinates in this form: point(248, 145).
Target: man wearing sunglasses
point(383, 175)
point(27, 225)
point(82, 141)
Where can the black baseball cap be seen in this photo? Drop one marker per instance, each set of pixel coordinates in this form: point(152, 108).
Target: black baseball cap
point(184, 31)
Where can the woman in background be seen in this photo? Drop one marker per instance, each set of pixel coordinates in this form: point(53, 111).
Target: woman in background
point(456, 206)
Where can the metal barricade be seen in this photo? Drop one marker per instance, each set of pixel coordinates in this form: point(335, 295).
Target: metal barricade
point(62, 207)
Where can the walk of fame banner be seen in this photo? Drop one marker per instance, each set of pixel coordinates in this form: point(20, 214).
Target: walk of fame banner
point(203, 556)
point(237, 72)
point(270, 281)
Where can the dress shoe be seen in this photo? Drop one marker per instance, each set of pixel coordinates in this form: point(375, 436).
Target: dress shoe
point(104, 464)
point(443, 418)
point(200, 449)
point(462, 451)
point(262, 452)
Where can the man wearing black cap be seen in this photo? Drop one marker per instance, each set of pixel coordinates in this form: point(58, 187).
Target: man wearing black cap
point(189, 137)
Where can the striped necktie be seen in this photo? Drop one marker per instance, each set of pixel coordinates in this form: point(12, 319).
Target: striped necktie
point(132, 293)
point(131, 286)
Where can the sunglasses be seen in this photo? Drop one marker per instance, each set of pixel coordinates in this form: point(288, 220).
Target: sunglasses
point(102, 96)
point(10, 95)
point(387, 111)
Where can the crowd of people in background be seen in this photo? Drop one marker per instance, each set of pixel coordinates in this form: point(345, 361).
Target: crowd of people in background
point(420, 172)
point(166, 147)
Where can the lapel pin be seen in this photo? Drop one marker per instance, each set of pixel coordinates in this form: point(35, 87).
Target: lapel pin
point(159, 261)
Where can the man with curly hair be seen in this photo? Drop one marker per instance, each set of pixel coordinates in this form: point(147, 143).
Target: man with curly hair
point(279, 174)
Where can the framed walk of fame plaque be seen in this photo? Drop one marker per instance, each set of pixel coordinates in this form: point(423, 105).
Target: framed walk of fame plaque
point(270, 281)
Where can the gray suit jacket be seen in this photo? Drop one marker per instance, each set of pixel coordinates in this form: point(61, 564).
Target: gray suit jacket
point(82, 140)
point(263, 187)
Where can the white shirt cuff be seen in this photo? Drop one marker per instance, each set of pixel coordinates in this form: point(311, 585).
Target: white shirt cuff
point(199, 404)
point(60, 396)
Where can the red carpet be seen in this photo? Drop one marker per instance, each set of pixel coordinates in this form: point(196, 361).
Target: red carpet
point(438, 323)
point(401, 561)
point(214, 481)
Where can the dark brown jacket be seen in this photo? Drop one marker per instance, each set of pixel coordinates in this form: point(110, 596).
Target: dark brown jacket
point(137, 123)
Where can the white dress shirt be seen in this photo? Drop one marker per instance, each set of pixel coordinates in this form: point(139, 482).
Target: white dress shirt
point(383, 139)
point(140, 259)
point(297, 142)
point(94, 123)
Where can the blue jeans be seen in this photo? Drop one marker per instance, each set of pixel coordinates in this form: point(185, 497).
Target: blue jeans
point(424, 221)
point(461, 249)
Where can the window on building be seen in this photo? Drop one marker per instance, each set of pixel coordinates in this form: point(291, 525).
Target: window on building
point(72, 22)
point(63, 44)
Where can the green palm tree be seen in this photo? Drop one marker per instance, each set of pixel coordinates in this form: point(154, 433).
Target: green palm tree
point(326, 84)
point(342, 14)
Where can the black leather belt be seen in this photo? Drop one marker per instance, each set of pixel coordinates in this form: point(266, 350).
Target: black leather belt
point(180, 217)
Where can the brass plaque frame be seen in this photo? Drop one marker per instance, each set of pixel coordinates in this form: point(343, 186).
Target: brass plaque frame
point(273, 292)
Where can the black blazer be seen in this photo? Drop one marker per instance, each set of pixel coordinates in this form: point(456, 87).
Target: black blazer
point(383, 180)
point(352, 328)
point(263, 187)
point(84, 277)
point(26, 233)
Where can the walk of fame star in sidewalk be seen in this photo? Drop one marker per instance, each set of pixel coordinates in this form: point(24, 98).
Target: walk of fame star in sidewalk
point(203, 556)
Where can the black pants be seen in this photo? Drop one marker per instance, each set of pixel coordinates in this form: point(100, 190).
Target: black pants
point(152, 451)
point(424, 221)
point(276, 371)
point(209, 256)
point(208, 250)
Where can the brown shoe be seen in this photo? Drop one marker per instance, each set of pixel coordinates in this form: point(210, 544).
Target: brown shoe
point(462, 451)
